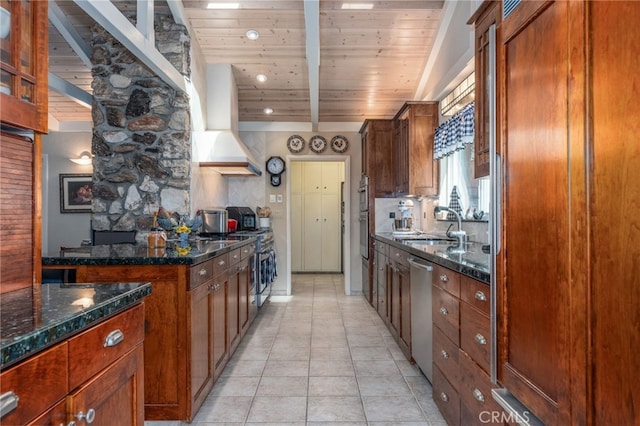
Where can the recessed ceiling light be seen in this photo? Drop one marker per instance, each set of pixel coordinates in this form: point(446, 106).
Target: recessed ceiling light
point(253, 34)
point(268, 110)
point(223, 6)
point(261, 78)
point(357, 6)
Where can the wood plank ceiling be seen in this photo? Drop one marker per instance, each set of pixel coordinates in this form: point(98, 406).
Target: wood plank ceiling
point(371, 60)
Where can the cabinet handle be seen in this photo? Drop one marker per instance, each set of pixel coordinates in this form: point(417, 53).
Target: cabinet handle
point(444, 397)
point(480, 339)
point(444, 278)
point(8, 403)
point(222, 262)
point(478, 395)
point(89, 417)
point(443, 311)
point(202, 272)
point(113, 338)
point(444, 354)
point(480, 296)
point(397, 254)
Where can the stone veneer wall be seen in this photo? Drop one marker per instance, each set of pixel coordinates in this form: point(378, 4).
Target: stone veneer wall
point(141, 133)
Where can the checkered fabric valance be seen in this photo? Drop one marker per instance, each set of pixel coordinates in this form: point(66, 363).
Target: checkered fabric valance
point(455, 133)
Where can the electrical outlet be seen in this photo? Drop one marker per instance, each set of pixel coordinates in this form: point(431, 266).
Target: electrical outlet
point(392, 215)
point(279, 198)
point(272, 198)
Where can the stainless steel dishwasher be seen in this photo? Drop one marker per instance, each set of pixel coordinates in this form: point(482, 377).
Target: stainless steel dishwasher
point(421, 326)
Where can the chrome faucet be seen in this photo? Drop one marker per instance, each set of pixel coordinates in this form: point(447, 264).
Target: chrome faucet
point(460, 234)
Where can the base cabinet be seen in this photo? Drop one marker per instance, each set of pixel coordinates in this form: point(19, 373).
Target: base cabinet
point(81, 379)
point(190, 317)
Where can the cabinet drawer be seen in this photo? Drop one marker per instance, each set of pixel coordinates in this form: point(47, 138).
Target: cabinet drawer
point(398, 255)
point(446, 279)
point(39, 383)
point(446, 313)
point(381, 247)
point(220, 264)
point(247, 251)
point(445, 356)
point(475, 293)
point(200, 273)
point(103, 344)
point(234, 256)
point(475, 335)
point(476, 403)
point(446, 398)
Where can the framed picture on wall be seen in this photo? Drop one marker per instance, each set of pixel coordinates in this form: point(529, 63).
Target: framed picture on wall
point(76, 192)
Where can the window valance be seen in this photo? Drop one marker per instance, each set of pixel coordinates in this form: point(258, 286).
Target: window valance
point(455, 133)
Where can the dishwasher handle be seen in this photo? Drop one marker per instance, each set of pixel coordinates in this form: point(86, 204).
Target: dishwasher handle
point(414, 262)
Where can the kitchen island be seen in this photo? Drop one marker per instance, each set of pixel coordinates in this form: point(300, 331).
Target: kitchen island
point(72, 348)
point(201, 306)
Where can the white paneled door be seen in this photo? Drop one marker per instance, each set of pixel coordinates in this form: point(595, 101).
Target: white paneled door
point(316, 222)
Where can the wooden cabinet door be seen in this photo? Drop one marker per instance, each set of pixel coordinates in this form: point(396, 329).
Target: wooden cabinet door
point(115, 396)
point(405, 311)
point(312, 257)
point(244, 280)
point(220, 337)
point(381, 166)
point(401, 154)
point(233, 305)
point(331, 252)
point(394, 300)
point(535, 286)
point(382, 274)
point(489, 16)
point(201, 323)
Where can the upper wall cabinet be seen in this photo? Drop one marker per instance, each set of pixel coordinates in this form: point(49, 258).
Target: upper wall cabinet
point(24, 63)
point(377, 157)
point(487, 16)
point(415, 171)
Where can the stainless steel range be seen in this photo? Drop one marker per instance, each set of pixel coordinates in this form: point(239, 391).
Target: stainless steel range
point(264, 262)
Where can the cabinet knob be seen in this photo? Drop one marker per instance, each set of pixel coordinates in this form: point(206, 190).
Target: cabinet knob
point(444, 354)
point(202, 272)
point(222, 262)
point(444, 278)
point(443, 311)
point(89, 417)
point(444, 397)
point(480, 339)
point(480, 296)
point(113, 338)
point(478, 395)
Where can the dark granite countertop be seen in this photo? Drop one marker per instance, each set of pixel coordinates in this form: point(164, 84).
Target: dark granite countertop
point(33, 319)
point(175, 253)
point(471, 261)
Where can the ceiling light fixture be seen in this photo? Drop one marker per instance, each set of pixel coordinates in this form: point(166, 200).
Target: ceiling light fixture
point(223, 6)
point(253, 34)
point(261, 78)
point(357, 6)
point(268, 110)
point(85, 158)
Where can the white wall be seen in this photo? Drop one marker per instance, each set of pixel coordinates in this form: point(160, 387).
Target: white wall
point(63, 229)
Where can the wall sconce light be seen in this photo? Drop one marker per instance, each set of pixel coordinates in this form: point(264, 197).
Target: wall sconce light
point(85, 158)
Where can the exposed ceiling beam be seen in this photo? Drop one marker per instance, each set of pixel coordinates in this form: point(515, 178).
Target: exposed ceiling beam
point(144, 20)
point(69, 33)
point(112, 20)
point(312, 30)
point(69, 90)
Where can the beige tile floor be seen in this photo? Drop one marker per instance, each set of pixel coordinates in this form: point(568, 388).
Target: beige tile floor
point(318, 357)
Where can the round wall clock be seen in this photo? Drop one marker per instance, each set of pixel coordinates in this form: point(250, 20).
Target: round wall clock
point(295, 143)
point(339, 144)
point(317, 144)
point(275, 167)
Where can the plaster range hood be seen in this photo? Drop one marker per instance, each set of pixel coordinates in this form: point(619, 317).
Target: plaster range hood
point(219, 147)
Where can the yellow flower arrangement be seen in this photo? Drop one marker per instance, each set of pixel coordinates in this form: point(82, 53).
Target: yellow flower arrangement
point(183, 251)
point(182, 229)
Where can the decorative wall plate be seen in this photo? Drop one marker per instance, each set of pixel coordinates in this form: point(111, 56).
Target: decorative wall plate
point(295, 143)
point(339, 144)
point(317, 144)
